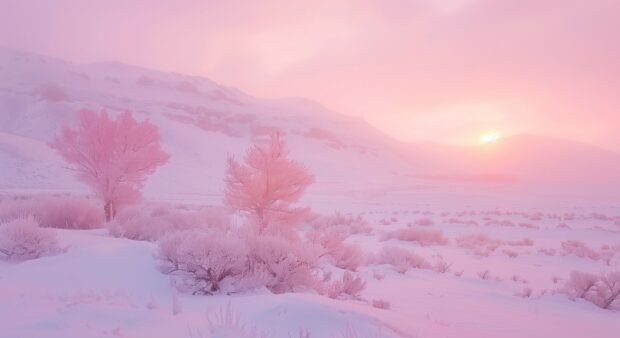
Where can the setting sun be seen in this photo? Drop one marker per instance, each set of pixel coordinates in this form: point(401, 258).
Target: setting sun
point(489, 137)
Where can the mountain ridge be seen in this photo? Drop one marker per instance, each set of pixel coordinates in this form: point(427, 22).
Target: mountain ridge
point(202, 122)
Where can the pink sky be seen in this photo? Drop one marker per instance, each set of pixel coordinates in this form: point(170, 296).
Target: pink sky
point(443, 70)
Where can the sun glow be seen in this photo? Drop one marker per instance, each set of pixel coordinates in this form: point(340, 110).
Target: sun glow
point(489, 137)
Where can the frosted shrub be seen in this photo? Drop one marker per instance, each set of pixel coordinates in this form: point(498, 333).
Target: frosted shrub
point(150, 224)
point(607, 291)
point(425, 221)
point(205, 262)
point(479, 245)
point(22, 239)
point(348, 257)
point(381, 304)
point(133, 223)
point(401, 259)
point(348, 287)
point(528, 225)
point(422, 237)
point(281, 265)
point(209, 262)
point(343, 223)
point(608, 252)
point(441, 266)
point(579, 249)
point(524, 293)
point(484, 274)
point(69, 212)
point(510, 253)
point(580, 284)
point(520, 242)
point(602, 290)
point(343, 255)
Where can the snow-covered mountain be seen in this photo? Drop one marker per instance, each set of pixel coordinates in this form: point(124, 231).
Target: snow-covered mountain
point(201, 123)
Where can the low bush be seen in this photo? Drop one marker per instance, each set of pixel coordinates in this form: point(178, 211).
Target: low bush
point(481, 245)
point(381, 304)
point(55, 211)
point(401, 259)
point(347, 287)
point(332, 245)
point(422, 237)
point(425, 221)
point(149, 223)
point(22, 238)
point(602, 290)
point(210, 262)
point(343, 223)
point(579, 249)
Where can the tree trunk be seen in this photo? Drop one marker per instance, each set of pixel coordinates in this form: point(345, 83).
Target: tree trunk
point(112, 210)
point(260, 214)
point(107, 209)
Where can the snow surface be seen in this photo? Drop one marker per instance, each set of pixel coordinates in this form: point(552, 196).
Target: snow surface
point(110, 287)
point(103, 286)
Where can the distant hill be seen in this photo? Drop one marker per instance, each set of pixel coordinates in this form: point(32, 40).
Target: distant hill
point(201, 123)
point(527, 158)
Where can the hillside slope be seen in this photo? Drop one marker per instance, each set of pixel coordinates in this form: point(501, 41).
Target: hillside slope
point(201, 124)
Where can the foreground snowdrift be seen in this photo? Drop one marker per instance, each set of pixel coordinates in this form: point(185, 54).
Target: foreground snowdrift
point(104, 286)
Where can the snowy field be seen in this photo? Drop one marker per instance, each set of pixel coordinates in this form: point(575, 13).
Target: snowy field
point(507, 282)
point(515, 239)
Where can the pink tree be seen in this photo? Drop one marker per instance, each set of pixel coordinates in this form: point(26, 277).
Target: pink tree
point(112, 156)
point(266, 185)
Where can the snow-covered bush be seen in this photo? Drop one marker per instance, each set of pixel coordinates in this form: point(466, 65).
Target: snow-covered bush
point(607, 291)
point(381, 304)
point(205, 261)
point(510, 253)
point(348, 224)
point(528, 225)
point(401, 259)
point(441, 266)
point(348, 257)
point(347, 287)
point(481, 245)
point(484, 274)
point(579, 249)
point(603, 290)
point(59, 211)
point(422, 237)
point(150, 224)
point(22, 239)
point(525, 293)
point(424, 221)
point(282, 265)
point(343, 255)
point(209, 262)
point(580, 284)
